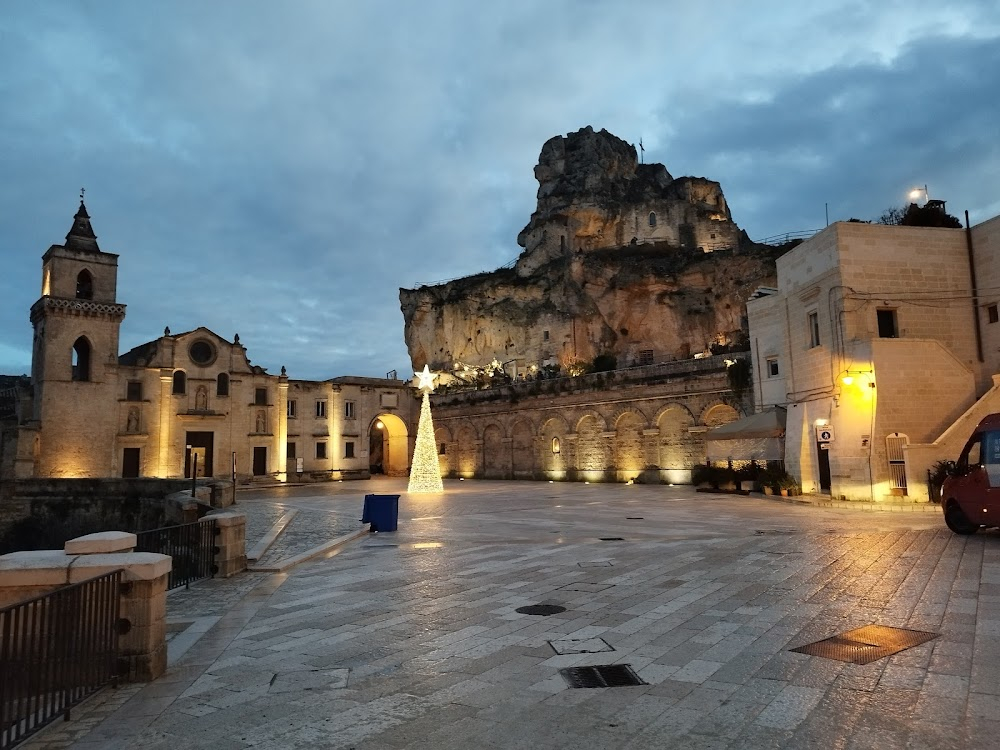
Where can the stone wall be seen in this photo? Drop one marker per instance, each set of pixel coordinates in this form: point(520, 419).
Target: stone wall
point(78, 506)
point(644, 425)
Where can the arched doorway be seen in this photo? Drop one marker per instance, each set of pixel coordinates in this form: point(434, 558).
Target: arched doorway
point(388, 446)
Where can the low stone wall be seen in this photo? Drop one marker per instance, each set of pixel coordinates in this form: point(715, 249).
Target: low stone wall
point(142, 641)
point(52, 508)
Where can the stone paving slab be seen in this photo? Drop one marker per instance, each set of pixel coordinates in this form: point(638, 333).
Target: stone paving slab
point(412, 639)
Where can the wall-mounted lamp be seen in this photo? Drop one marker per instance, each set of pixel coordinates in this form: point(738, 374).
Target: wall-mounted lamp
point(863, 377)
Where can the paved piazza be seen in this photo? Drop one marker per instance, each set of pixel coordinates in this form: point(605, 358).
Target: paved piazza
point(411, 639)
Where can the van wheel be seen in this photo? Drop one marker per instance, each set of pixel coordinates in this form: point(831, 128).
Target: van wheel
point(957, 520)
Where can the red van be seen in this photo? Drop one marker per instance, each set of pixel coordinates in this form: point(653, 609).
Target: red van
point(970, 496)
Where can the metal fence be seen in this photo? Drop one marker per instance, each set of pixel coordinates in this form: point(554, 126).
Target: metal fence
point(191, 547)
point(55, 650)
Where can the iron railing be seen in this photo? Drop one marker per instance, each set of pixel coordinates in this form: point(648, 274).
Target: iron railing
point(191, 546)
point(55, 651)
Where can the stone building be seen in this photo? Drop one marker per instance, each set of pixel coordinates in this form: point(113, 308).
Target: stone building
point(644, 423)
point(883, 342)
point(183, 403)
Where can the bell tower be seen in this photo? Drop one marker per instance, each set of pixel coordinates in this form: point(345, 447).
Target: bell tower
point(74, 364)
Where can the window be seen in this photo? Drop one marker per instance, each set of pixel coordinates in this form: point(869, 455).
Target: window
point(202, 353)
point(886, 324)
point(545, 335)
point(555, 445)
point(81, 359)
point(652, 219)
point(320, 450)
point(348, 410)
point(349, 449)
point(291, 408)
point(133, 390)
point(772, 367)
point(260, 396)
point(992, 314)
point(443, 450)
point(222, 384)
point(84, 285)
point(290, 450)
point(813, 320)
point(180, 383)
point(320, 409)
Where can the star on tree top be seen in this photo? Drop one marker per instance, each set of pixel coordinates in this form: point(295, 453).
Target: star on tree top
point(426, 379)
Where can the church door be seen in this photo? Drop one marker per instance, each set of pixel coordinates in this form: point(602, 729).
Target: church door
point(259, 461)
point(130, 462)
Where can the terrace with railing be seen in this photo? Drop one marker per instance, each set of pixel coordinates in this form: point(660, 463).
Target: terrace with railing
point(499, 387)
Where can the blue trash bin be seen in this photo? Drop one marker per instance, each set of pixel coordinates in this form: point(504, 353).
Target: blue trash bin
point(381, 511)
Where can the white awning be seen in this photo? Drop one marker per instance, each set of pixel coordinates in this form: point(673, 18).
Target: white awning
point(759, 437)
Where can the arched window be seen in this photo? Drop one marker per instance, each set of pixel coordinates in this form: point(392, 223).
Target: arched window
point(222, 384)
point(652, 218)
point(84, 285)
point(180, 383)
point(81, 359)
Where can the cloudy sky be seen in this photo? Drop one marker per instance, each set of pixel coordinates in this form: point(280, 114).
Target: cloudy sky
point(280, 169)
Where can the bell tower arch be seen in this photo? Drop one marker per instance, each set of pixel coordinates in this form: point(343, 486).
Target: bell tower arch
point(74, 365)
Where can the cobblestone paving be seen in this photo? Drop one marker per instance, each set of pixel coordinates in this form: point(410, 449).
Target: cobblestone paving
point(309, 529)
point(412, 639)
point(261, 516)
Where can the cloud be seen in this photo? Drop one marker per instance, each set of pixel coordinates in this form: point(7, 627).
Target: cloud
point(281, 169)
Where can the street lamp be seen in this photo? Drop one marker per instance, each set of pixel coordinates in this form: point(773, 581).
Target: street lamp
point(917, 191)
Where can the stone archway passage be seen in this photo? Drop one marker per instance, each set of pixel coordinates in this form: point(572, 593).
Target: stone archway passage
point(389, 446)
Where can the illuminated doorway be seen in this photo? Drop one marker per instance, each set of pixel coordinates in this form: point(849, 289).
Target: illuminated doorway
point(388, 446)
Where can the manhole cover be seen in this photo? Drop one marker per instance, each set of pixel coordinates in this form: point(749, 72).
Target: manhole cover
point(541, 609)
point(867, 644)
point(610, 675)
point(611, 538)
point(580, 646)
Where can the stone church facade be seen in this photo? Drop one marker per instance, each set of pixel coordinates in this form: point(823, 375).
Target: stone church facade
point(184, 403)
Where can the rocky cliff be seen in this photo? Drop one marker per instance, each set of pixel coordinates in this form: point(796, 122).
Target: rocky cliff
point(619, 258)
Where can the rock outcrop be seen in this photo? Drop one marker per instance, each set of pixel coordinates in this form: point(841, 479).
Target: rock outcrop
point(619, 258)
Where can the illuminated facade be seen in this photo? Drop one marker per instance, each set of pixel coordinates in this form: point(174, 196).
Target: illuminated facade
point(184, 402)
point(881, 349)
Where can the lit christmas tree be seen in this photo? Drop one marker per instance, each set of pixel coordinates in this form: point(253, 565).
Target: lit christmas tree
point(425, 473)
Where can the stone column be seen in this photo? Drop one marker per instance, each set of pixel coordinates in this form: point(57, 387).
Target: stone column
point(164, 469)
point(230, 541)
point(281, 449)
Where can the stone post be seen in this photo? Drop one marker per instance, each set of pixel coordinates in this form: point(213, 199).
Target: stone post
point(230, 540)
point(142, 644)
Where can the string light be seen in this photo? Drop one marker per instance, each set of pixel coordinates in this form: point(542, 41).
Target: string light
point(425, 472)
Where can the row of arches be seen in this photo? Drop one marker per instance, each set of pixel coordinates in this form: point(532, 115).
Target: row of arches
point(588, 446)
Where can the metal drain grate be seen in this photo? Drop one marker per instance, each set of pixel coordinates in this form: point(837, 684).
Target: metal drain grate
point(586, 586)
point(611, 538)
point(541, 609)
point(609, 675)
point(867, 644)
